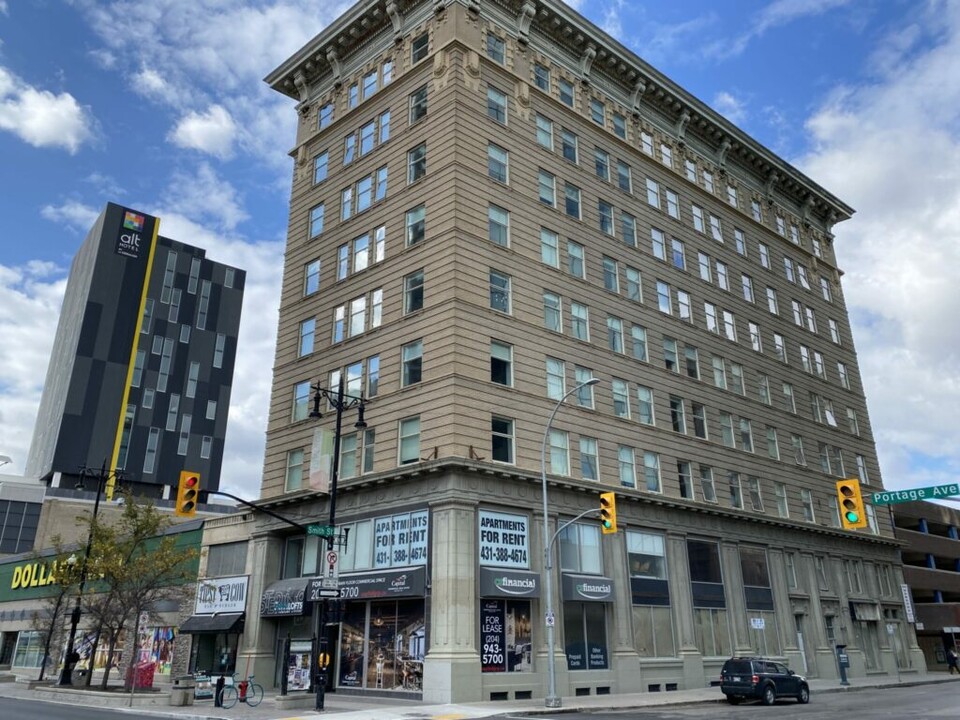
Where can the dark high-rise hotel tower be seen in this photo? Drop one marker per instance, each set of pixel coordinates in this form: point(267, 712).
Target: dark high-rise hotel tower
point(142, 364)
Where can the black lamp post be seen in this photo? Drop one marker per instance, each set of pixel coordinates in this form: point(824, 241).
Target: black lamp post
point(340, 402)
point(71, 657)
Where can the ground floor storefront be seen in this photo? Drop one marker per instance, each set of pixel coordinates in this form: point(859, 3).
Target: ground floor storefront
point(442, 595)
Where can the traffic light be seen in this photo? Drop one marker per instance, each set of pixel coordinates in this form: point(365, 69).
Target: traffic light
point(188, 494)
point(608, 512)
point(853, 514)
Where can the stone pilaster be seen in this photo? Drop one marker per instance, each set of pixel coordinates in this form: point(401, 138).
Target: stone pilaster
point(681, 605)
point(733, 591)
point(452, 666)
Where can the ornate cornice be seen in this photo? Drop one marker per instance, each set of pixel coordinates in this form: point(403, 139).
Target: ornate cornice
point(599, 60)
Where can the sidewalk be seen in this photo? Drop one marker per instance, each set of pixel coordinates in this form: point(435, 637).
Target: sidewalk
point(353, 707)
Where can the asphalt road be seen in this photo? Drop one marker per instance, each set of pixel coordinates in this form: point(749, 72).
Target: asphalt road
point(16, 709)
point(925, 702)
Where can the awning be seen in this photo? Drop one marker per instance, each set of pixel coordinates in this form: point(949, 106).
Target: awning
point(222, 623)
point(284, 598)
point(865, 611)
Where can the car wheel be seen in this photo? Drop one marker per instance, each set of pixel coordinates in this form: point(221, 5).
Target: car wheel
point(803, 697)
point(769, 695)
point(733, 699)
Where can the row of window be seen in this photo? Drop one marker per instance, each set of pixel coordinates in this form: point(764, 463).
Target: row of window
point(703, 177)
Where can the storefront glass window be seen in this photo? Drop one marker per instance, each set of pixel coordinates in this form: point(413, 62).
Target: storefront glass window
point(585, 629)
point(652, 619)
point(382, 645)
point(29, 650)
point(505, 636)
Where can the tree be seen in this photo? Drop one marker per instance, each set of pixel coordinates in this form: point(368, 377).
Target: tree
point(134, 564)
point(55, 609)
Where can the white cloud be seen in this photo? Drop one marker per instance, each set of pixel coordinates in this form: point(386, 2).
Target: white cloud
point(151, 84)
point(610, 23)
point(41, 118)
point(776, 14)
point(3, 6)
point(205, 197)
point(891, 149)
point(71, 213)
point(211, 132)
point(30, 298)
point(730, 107)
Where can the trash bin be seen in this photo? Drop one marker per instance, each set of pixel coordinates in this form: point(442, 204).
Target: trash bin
point(182, 692)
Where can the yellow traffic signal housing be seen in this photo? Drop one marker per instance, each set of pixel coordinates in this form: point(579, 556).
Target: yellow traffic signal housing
point(853, 514)
point(188, 493)
point(608, 512)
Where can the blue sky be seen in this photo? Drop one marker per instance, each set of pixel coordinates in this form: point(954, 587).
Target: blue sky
point(160, 105)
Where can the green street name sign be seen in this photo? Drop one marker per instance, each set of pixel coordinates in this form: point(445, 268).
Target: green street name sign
point(892, 497)
point(324, 531)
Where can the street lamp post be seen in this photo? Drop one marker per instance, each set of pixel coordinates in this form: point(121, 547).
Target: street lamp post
point(552, 700)
point(66, 674)
point(340, 402)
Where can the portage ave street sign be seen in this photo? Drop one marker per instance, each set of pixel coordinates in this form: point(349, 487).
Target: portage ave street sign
point(891, 497)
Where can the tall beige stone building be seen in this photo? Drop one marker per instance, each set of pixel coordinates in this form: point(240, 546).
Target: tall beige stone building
point(493, 203)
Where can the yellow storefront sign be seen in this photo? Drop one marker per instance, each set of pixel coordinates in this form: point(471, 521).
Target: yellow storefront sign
point(31, 575)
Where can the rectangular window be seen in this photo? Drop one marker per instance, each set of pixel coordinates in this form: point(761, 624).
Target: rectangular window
point(501, 363)
point(566, 91)
point(677, 415)
point(806, 500)
point(497, 163)
point(645, 405)
point(663, 297)
point(638, 337)
point(316, 220)
point(501, 439)
point(325, 116)
point(698, 218)
point(556, 379)
point(627, 466)
point(746, 435)
point(646, 142)
point(547, 187)
point(700, 421)
point(692, 361)
point(610, 275)
point(571, 195)
point(416, 163)
point(409, 440)
point(624, 176)
point(498, 225)
point(729, 326)
point(708, 181)
point(184, 439)
point(496, 49)
point(780, 499)
point(589, 467)
point(666, 155)
point(418, 104)
point(413, 292)
point(549, 248)
point(653, 193)
point(685, 480)
point(756, 211)
point(541, 77)
point(559, 452)
point(651, 471)
point(575, 259)
point(601, 163)
point(621, 398)
point(684, 309)
point(419, 48)
point(416, 227)
point(544, 132)
point(620, 126)
point(311, 277)
point(615, 334)
point(552, 319)
point(673, 204)
point(206, 446)
point(658, 244)
point(568, 145)
point(732, 195)
point(596, 111)
point(581, 376)
point(678, 254)
point(756, 340)
point(799, 457)
point(736, 491)
point(746, 283)
point(826, 290)
point(605, 213)
point(580, 321)
point(670, 355)
point(772, 304)
point(500, 292)
point(497, 105)
point(634, 284)
point(726, 429)
point(412, 363)
point(707, 486)
point(764, 255)
point(307, 328)
point(150, 454)
point(723, 279)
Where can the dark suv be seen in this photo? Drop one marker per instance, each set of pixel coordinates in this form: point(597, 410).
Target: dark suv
point(755, 678)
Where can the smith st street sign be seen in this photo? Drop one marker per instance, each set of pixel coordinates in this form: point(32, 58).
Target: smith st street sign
point(892, 497)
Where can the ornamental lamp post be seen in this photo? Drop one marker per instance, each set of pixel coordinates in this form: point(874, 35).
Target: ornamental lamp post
point(340, 402)
point(552, 700)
